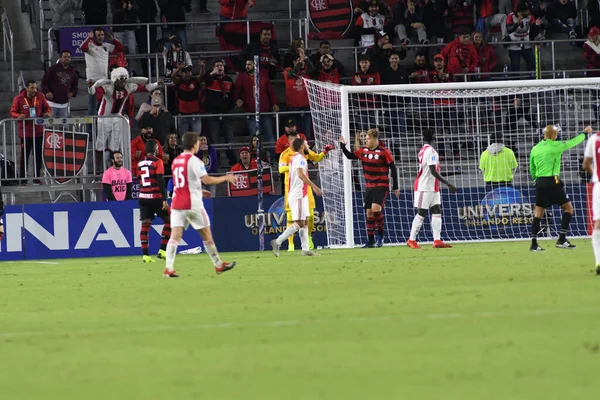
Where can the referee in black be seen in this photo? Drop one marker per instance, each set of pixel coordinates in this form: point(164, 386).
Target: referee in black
point(544, 166)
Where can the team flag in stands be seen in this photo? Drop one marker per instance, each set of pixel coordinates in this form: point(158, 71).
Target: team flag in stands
point(232, 37)
point(333, 17)
point(65, 153)
point(246, 183)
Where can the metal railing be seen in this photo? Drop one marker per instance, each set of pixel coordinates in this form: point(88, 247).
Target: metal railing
point(8, 47)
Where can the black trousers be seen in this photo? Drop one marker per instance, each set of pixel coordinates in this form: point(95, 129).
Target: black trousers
point(29, 145)
point(495, 185)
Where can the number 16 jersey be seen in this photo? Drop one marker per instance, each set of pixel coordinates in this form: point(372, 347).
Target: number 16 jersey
point(188, 171)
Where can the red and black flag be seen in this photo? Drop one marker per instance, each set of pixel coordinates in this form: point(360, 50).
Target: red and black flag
point(331, 16)
point(233, 37)
point(64, 154)
point(246, 183)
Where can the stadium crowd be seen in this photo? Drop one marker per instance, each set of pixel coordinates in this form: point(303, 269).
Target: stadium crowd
point(189, 88)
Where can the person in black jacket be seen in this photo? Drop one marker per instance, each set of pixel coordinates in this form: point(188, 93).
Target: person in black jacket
point(125, 12)
point(380, 54)
point(95, 12)
point(219, 100)
point(174, 11)
point(146, 11)
point(267, 50)
point(593, 8)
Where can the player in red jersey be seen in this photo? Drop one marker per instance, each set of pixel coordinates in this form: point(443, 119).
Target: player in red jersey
point(189, 173)
point(377, 162)
point(153, 199)
point(427, 193)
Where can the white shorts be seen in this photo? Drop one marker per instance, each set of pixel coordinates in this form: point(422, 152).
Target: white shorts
point(198, 218)
point(299, 208)
point(596, 202)
point(111, 134)
point(426, 200)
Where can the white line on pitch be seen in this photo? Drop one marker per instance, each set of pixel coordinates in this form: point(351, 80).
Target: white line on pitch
point(302, 322)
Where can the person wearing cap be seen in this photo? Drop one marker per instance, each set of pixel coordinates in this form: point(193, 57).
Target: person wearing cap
point(188, 90)
point(368, 24)
point(327, 71)
point(138, 147)
point(381, 52)
point(284, 169)
point(296, 95)
point(325, 49)
point(591, 52)
point(439, 73)
point(409, 17)
point(246, 161)
point(460, 54)
point(219, 100)
point(498, 163)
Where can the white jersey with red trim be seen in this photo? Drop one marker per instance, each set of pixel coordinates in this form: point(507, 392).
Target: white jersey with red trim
point(188, 171)
point(113, 102)
point(425, 181)
point(296, 188)
point(592, 150)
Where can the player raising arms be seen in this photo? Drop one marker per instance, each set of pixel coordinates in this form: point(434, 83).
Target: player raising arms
point(284, 167)
point(591, 163)
point(297, 188)
point(377, 162)
point(544, 166)
point(427, 193)
point(189, 173)
point(153, 199)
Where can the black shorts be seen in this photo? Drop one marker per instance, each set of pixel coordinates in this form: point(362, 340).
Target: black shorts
point(548, 193)
point(375, 195)
point(150, 208)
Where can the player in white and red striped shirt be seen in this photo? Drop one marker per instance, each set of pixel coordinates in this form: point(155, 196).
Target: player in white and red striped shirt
point(298, 183)
point(427, 193)
point(189, 173)
point(591, 163)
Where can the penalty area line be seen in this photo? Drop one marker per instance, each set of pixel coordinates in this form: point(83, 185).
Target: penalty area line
point(304, 322)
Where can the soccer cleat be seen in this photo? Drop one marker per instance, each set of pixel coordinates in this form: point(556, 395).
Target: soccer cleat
point(536, 247)
point(311, 245)
point(309, 253)
point(565, 244)
point(275, 247)
point(413, 244)
point(162, 254)
point(170, 274)
point(369, 246)
point(148, 259)
point(224, 267)
point(438, 244)
point(291, 247)
point(379, 241)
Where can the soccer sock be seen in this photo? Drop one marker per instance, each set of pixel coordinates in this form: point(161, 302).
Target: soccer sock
point(311, 222)
point(371, 229)
point(416, 227)
point(291, 238)
point(535, 229)
point(304, 238)
point(211, 249)
point(165, 236)
point(287, 233)
point(564, 226)
point(171, 253)
point(144, 237)
point(436, 226)
point(378, 217)
point(596, 245)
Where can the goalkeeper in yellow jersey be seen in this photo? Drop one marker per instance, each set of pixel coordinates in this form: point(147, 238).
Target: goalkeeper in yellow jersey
point(284, 167)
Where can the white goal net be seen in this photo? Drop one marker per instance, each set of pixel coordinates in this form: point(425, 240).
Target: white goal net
point(468, 119)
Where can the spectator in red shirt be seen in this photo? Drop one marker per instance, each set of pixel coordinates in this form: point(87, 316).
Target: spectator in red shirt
point(246, 161)
point(30, 104)
point(138, 147)
point(591, 51)
point(460, 54)
point(487, 55)
point(283, 142)
point(296, 95)
point(243, 94)
point(235, 9)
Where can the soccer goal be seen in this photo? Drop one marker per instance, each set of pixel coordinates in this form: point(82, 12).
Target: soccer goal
point(468, 118)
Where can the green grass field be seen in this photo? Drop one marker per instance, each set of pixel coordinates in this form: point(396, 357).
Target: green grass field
point(479, 321)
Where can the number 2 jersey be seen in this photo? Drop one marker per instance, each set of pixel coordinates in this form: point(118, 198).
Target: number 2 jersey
point(150, 170)
point(188, 171)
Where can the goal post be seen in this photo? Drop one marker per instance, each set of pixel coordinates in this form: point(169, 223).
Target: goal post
point(467, 118)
